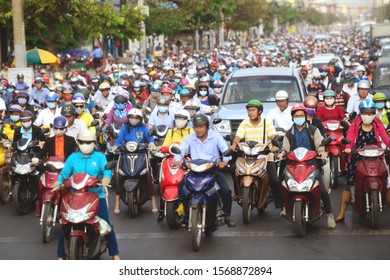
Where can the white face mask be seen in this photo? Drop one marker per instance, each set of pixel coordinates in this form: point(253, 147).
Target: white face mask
point(367, 119)
point(27, 124)
point(87, 149)
point(134, 122)
point(59, 132)
point(180, 123)
point(329, 102)
point(79, 110)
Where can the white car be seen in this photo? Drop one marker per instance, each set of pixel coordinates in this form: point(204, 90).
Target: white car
point(323, 59)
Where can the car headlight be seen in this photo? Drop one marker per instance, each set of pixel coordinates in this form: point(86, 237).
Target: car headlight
point(223, 126)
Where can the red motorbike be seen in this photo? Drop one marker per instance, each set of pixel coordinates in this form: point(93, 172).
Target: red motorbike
point(370, 183)
point(49, 201)
point(85, 233)
point(170, 177)
point(301, 190)
point(335, 149)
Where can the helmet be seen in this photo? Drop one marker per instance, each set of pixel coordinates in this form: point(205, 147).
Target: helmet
point(74, 79)
point(316, 75)
point(83, 69)
point(184, 82)
point(324, 68)
point(348, 63)
point(364, 84)
point(163, 100)
point(39, 80)
point(60, 122)
point(135, 112)
point(15, 108)
point(201, 119)
point(222, 67)
point(379, 96)
point(166, 90)
point(23, 94)
point(329, 93)
point(104, 86)
point(184, 91)
point(371, 64)
point(337, 81)
point(155, 87)
point(182, 114)
point(281, 95)
point(86, 135)
point(172, 85)
point(255, 103)
point(120, 99)
point(52, 97)
point(19, 76)
point(360, 68)
point(204, 78)
point(78, 98)
point(333, 61)
point(68, 110)
point(136, 84)
point(124, 83)
point(310, 102)
point(348, 77)
point(296, 108)
point(26, 115)
point(218, 83)
point(95, 79)
point(367, 106)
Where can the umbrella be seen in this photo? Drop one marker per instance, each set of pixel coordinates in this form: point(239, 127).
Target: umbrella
point(39, 56)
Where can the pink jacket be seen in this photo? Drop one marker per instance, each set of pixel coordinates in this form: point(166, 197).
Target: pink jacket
point(379, 130)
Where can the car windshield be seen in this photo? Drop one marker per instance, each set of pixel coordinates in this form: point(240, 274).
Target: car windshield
point(382, 76)
point(264, 88)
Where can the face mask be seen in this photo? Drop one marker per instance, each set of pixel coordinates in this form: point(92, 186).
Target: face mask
point(10, 90)
point(162, 109)
point(155, 94)
point(51, 105)
point(217, 90)
point(27, 124)
point(68, 97)
point(367, 119)
point(134, 122)
point(56, 82)
point(180, 123)
point(137, 89)
point(14, 118)
point(87, 149)
point(203, 92)
point(79, 110)
point(22, 101)
point(316, 82)
point(116, 74)
point(299, 121)
point(329, 102)
point(59, 132)
point(177, 81)
point(310, 111)
point(120, 106)
point(379, 105)
point(191, 76)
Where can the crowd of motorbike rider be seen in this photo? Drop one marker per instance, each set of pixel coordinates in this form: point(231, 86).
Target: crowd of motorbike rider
point(180, 92)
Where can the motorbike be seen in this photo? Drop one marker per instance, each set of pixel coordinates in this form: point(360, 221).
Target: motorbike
point(50, 200)
point(84, 232)
point(24, 176)
point(252, 177)
point(108, 138)
point(370, 183)
point(5, 178)
point(159, 132)
point(170, 177)
point(301, 190)
point(335, 149)
point(131, 173)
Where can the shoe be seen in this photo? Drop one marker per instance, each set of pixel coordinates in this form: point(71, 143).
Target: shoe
point(283, 211)
point(330, 220)
point(229, 221)
point(160, 217)
point(339, 220)
point(154, 210)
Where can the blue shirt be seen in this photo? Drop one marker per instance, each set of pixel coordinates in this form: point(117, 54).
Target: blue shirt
point(27, 135)
point(137, 134)
point(302, 139)
point(98, 53)
point(21, 86)
point(156, 119)
point(93, 165)
point(39, 95)
point(210, 149)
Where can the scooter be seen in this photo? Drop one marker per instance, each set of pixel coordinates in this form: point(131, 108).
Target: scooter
point(159, 132)
point(131, 174)
point(170, 177)
point(85, 233)
point(5, 178)
point(24, 176)
point(301, 190)
point(50, 201)
point(370, 183)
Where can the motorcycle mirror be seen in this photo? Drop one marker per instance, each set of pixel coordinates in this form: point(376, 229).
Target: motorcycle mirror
point(217, 120)
point(112, 134)
point(96, 116)
point(45, 130)
point(352, 115)
point(4, 136)
point(94, 123)
point(228, 153)
point(50, 167)
point(326, 141)
point(345, 141)
point(111, 165)
point(152, 131)
point(175, 150)
point(228, 137)
point(33, 143)
point(213, 100)
point(345, 124)
point(276, 143)
point(138, 105)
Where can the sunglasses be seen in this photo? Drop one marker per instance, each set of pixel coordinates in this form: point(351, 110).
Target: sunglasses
point(79, 106)
point(82, 142)
point(58, 128)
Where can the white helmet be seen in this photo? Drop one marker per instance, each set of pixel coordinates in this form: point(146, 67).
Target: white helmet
point(86, 135)
point(181, 113)
point(360, 68)
point(86, 141)
point(281, 95)
point(136, 112)
point(364, 84)
point(222, 67)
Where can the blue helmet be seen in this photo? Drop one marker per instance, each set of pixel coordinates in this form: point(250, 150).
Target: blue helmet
point(184, 91)
point(155, 87)
point(78, 98)
point(59, 122)
point(52, 97)
point(367, 106)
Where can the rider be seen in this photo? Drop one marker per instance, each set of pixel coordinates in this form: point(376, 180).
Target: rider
point(78, 102)
point(118, 113)
point(151, 102)
point(161, 116)
point(92, 162)
point(363, 93)
point(46, 116)
point(364, 130)
point(9, 124)
point(302, 134)
point(38, 92)
point(281, 115)
point(330, 111)
point(74, 126)
point(21, 84)
point(311, 105)
point(261, 130)
point(382, 112)
point(207, 145)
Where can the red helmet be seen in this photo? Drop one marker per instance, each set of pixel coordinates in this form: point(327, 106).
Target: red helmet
point(324, 68)
point(124, 83)
point(166, 90)
point(296, 108)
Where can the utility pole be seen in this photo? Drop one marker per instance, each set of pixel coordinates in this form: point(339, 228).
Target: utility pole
point(19, 36)
point(142, 43)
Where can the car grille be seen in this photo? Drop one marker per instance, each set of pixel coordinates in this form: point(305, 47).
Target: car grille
point(234, 125)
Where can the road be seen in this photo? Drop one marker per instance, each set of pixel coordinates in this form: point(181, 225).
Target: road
point(268, 237)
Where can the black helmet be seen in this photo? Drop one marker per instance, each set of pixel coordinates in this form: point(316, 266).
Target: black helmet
point(68, 110)
point(349, 77)
point(23, 94)
point(26, 115)
point(120, 99)
point(201, 119)
point(20, 75)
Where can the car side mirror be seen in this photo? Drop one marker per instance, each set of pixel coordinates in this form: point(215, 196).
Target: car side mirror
point(345, 141)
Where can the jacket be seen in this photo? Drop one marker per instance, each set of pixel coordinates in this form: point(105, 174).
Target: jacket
point(49, 148)
point(36, 134)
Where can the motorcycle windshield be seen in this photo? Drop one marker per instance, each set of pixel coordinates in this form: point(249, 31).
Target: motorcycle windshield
point(23, 144)
point(21, 158)
point(200, 182)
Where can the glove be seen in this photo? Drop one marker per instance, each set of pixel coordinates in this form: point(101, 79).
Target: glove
point(152, 146)
point(35, 161)
point(105, 181)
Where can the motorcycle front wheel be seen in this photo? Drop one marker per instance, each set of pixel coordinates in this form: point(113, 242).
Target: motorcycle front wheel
point(47, 221)
point(22, 198)
point(334, 166)
point(374, 209)
point(5, 188)
point(300, 223)
point(76, 246)
point(133, 202)
point(172, 216)
point(196, 228)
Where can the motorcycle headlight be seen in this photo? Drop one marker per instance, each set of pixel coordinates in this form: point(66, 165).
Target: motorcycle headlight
point(22, 168)
point(241, 170)
point(199, 168)
point(223, 126)
point(305, 186)
point(255, 170)
point(131, 146)
point(78, 216)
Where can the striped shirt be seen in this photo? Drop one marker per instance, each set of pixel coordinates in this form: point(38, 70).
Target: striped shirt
point(256, 133)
